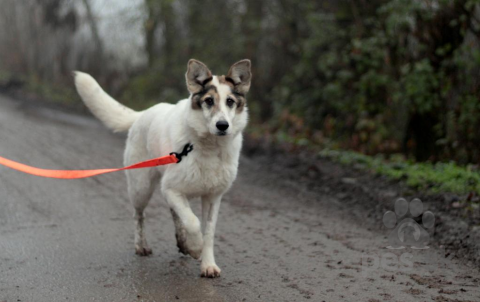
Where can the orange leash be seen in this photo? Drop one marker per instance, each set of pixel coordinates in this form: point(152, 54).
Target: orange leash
point(75, 174)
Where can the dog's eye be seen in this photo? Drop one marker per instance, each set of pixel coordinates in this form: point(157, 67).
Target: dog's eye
point(209, 101)
point(230, 102)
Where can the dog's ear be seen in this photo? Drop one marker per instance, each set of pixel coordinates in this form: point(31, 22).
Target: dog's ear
point(197, 75)
point(240, 76)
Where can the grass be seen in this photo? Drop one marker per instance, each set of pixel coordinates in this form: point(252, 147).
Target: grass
point(434, 178)
point(56, 94)
point(4, 76)
point(425, 176)
point(31, 85)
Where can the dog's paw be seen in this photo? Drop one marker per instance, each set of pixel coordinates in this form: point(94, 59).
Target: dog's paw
point(210, 271)
point(190, 243)
point(194, 244)
point(143, 250)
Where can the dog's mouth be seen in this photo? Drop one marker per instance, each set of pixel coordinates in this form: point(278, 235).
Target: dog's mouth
point(222, 133)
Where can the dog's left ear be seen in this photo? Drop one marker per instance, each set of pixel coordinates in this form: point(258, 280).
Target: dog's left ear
point(240, 75)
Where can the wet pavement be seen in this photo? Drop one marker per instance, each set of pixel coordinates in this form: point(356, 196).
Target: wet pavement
point(72, 240)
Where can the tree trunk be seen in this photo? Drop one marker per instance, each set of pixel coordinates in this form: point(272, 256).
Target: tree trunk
point(94, 29)
point(151, 25)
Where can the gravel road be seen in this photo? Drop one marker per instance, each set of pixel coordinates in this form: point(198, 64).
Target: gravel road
point(72, 240)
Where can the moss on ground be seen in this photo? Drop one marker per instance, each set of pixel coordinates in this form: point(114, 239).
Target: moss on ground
point(431, 177)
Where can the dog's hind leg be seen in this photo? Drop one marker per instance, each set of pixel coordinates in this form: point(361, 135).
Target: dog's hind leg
point(141, 184)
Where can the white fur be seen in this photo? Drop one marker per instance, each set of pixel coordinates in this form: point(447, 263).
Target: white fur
point(113, 114)
point(207, 172)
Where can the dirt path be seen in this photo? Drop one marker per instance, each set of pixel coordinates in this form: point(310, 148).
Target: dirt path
point(276, 240)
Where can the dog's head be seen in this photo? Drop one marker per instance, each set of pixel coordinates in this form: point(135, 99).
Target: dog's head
point(219, 102)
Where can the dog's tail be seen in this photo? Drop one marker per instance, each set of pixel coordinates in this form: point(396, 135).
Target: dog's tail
point(113, 114)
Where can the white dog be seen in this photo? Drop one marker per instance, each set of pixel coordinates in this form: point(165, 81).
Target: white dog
point(212, 120)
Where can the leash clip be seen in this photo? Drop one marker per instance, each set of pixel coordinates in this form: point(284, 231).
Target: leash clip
point(187, 149)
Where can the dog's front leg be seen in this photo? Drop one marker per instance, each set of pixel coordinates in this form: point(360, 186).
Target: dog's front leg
point(210, 207)
point(188, 230)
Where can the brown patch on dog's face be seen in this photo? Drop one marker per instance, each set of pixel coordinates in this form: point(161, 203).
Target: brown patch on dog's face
point(207, 95)
point(238, 97)
point(222, 80)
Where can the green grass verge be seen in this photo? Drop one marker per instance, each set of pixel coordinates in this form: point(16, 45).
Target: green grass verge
point(434, 178)
point(32, 85)
point(63, 95)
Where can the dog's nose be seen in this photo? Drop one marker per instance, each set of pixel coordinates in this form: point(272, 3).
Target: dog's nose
point(222, 125)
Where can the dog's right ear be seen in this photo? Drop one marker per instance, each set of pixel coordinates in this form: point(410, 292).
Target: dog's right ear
point(197, 76)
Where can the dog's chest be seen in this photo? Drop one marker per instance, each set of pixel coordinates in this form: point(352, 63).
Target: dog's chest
point(209, 173)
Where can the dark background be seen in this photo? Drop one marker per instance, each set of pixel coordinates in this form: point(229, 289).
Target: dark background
point(389, 77)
